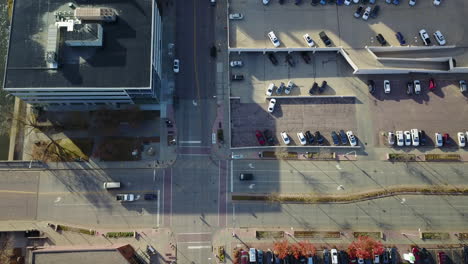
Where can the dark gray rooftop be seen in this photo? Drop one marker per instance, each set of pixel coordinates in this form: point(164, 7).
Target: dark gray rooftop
point(122, 61)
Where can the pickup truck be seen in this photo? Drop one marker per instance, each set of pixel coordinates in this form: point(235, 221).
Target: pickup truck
point(128, 197)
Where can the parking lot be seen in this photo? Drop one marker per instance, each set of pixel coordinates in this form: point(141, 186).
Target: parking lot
point(444, 110)
point(290, 22)
point(291, 116)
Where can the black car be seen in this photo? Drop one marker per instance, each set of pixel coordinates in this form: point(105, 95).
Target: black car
point(290, 60)
point(422, 137)
point(344, 137)
point(150, 196)
point(359, 12)
point(322, 87)
point(272, 58)
point(313, 89)
point(309, 136)
point(305, 57)
point(331, 2)
point(326, 40)
point(371, 85)
point(281, 2)
point(425, 256)
point(269, 137)
point(297, 2)
point(394, 256)
point(319, 137)
point(315, 2)
point(375, 11)
point(381, 39)
point(386, 258)
point(364, 2)
point(237, 77)
point(334, 136)
point(409, 88)
point(465, 255)
point(343, 256)
point(269, 257)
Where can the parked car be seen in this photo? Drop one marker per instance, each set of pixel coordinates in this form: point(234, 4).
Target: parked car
point(260, 256)
point(461, 139)
point(252, 255)
point(396, 2)
point(335, 138)
point(269, 137)
point(150, 196)
point(289, 87)
point(301, 138)
point(266, 2)
point(366, 14)
point(443, 258)
point(407, 138)
point(280, 88)
point(334, 253)
point(417, 86)
point(272, 58)
point(176, 66)
point(371, 86)
point(381, 39)
point(309, 136)
point(314, 88)
point(351, 138)
point(308, 40)
point(400, 138)
point(432, 84)
point(271, 106)
point(409, 88)
point(269, 89)
point(386, 257)
point(322, 87)
point(343, 257)
point(245, 176)
point(285, 138)
point(237, 77)
point(344, 137)
point(414, 137)
point(212, 2)
point(305, 57)
point(425, 37)
point(462, 85)
point(260, 138)
point(319, 138)
point(244, 257)
point(376, 259)
point(438, 140)
point(400, 38)
point(236, 16)
point(436, 2)
point(446, 138)
point(422, 138)
point(347, 2)
point(236, 64)
point(387, 86)
point(440, 38)
point(412, 2)
point(326, 257)
point(315, 2)
point(297, 2)
point(375, 11)
point(274, 39)
point(269, 257)
point(323, 36)
point(391, 138)
point(358, 12)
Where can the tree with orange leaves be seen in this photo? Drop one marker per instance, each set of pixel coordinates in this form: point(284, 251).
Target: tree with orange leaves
point(365, 247)
point(281, 248)
point(307, 249)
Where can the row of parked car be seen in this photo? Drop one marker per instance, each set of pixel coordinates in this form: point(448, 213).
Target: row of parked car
point(438, 36)
point(415, 137)
point(411, 86)
point(323, 36)
point(279, 90)
point(348, 2)
point(308, 138)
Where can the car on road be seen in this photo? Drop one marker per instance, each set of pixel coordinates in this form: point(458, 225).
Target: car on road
point(462, 85)
point(236, 16)
point(252, 255)
point(425, 37)
point(127, 197)
point(436, 2)
point(271, 106)
point(400, 38)
point(244, 257)
point(280, 88)
point(236, 64)
point(461, 139)
point(308, 40)
point(309, 136)
point(269, 137)
point(237, 77)
point(415, 137)
point(351, 138)
point(176, 66)
point(150, 196)
point(380, 38)
point(407, 138)
point(269, 89)
point(422, 138)
point(335, 138)
point(432, 84)
point(334, 256)
point(366, 14)
point(260, 138)
point(289, 87)
point(438, 140)
point(326, 40)
point(391, 138)
point(274, 39)
point(285, 138)
point(343, 137)
point(313, 89)
point(387, 86)
point(375, 11)
point(442, 257)
point(319, 138)
point(245, 176)
point(322, 87)
point(358, 12)
point(302, 138)
point(417, 86)
point(400, 138)
point(440, 38)
point(412, 2)
point(409, 88)
point(272, 58)
point(371, 86)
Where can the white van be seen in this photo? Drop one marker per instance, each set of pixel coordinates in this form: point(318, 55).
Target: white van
point(111, 185)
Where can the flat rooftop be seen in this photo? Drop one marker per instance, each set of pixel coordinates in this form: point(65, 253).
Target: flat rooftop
point(79, 257)
point(124, 59)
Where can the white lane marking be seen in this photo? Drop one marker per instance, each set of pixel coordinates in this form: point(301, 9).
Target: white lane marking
point(194, 103)
point(219, 187)
point(194, 154)
point(233, 215)
point(157, 216)
point(201, 233)
point(198, 247)
point(301, 171)
point(164, 190)
point(251, 166)
point(251, 186)
point(171, 200)
point(190, 142)
point(58, 199)
point(232, 180)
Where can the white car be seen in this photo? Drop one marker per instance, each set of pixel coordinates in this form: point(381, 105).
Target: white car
point(265, 2)
point(425, 37)
point(236, 64)
point(285, 138)
point(440, 38)
point(252, 255)
point(386, 84)
point(176, 65)
point(417, 86)
point(412, 2)
point(274, 39)
point(334, 256)
point(391, 138)
point(366, 14)
point(351, 138)
point(461, 139)
point(308, 40)
point(236, 16)
point(400, 138)
point(269, 89)
point(347, 2)
point(462, 85)
point(438, 140)
point(302, 138)
point(356, 1)
point(415, 137)
point(271, 106)
point(376, 259)
point(407, 138)
point(289, 87)
point(436, 2)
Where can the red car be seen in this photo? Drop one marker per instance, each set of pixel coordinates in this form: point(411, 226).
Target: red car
point(415, 251)
point(260, 137)
point(244, 257)
point(446, 138)
point(443, 258)
point(432, 84)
